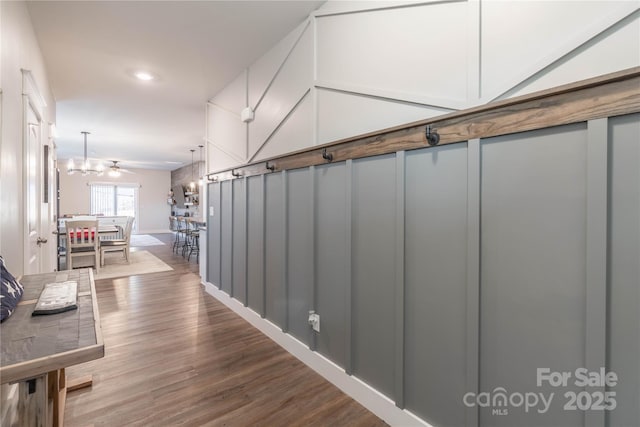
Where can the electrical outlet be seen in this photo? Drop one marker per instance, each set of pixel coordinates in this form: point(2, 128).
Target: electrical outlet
point(314, 320)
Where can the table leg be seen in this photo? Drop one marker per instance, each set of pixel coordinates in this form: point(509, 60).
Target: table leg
point(58, 389)
point(33, 407)
point(58, 395)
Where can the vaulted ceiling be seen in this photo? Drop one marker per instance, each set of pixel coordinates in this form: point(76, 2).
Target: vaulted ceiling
point(92, 49)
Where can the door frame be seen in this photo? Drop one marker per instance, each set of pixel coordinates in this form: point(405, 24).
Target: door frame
point(31, 100)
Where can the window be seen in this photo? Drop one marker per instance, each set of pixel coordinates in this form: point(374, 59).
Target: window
point(114, 199)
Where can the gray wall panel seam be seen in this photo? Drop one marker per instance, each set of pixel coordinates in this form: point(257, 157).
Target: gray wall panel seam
point(348, 273)
point(232, 246)
point(205, 217)
point(313, 282)
point(284, 286)
point(399, 279)
point(245, 182)
point(474, 166)
point(263, 191)
point(219, 223)
point(210, 231)
point(596, 262)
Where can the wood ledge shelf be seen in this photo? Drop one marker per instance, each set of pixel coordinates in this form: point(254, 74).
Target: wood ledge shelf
point(609, 95)
point(31, 369)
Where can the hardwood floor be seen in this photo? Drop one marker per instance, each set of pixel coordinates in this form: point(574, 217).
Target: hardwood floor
point(175, 355)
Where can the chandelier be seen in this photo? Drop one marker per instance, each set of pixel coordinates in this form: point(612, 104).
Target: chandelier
point(85, 167)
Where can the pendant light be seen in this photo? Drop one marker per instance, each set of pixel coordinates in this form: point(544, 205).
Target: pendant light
point(85, 167)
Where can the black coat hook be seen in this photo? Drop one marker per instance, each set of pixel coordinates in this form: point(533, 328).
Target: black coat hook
point(271, 166)
point(432, 136)
point(212, 178)
point(236, 174)
point(327, 156)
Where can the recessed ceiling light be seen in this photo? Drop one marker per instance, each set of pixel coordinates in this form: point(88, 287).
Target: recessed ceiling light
point(143, 75)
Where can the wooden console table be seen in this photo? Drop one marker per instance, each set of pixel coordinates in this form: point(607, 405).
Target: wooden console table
point(35, 350)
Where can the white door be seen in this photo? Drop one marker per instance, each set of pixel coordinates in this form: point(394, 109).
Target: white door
point(33, 243)
point(36, 221)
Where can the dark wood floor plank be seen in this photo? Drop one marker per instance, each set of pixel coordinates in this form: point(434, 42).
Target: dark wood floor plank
point(175, 355)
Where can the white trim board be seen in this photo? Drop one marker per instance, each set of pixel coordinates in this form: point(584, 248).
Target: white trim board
point(378, 6)
point(564, 48)
point(221, 108)
point(448, 104)
point(280, 67)
point(278, 126)
point(374, 401)
point(231, 155)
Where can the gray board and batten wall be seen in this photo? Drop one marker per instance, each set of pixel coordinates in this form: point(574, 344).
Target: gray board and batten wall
point(459, 268)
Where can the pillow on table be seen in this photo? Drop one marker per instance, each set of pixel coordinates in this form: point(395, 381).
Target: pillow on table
point(10, 293)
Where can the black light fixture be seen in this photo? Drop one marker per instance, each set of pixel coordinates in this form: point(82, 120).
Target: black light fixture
point(85, 167)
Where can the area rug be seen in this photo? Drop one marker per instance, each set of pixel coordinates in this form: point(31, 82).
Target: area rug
point(142, 262)
point(145, 240)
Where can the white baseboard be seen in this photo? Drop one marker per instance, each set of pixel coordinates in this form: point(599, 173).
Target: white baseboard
point(155, 231)
point(380, 405)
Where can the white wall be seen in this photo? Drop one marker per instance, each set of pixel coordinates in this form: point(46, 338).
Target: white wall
point(19, 50)
point(356, 67)
point(154, 188)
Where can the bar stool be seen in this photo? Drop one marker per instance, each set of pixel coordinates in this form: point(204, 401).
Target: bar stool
point(180, 230)
point(193, 232)
point(183, 225)
point(173, 226)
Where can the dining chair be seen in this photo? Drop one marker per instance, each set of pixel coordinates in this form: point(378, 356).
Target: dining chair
point(82, 241)
point(118, 245)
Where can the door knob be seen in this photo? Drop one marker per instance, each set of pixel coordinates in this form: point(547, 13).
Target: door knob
point(41, 241)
